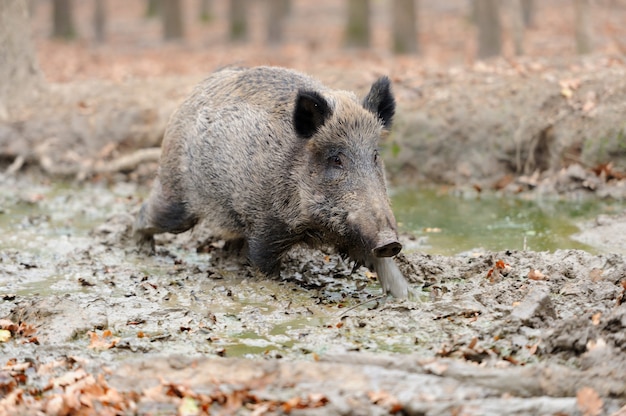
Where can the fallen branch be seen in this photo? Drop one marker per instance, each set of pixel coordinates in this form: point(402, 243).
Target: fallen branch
point(129, 162)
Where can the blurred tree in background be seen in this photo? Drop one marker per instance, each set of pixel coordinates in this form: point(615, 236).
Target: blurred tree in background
point(206, 10)
point(99, 21)
point(277, 12)
point(583, 26)
point(517, 25)
point(499, 26)
point(238, 20)
point(404, 26)
point(18, 63)
point(487, 18)
point(153, 8)
point(358, 24)
point(63, 18)
point(528, 12)
point(172, 14)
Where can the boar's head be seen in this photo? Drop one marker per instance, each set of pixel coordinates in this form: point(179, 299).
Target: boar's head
point(342, 181)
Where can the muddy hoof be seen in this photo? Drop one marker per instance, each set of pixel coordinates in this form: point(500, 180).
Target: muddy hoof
point(145, 244)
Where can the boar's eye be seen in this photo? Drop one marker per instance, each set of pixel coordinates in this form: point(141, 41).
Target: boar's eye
point(335, 161)
point(376, 157)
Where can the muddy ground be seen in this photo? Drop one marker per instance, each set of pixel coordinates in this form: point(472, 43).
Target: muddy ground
point(90, 325)
point(97, 327)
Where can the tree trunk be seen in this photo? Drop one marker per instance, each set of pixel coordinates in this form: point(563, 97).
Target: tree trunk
point(277, 11)
point(516, 19)
point(238, 20)
point(583, 26)
point(153, 8)
point(206, 10)
point(488, 21)
point(99, 21)
point(358, 29)
point(172, 15)
point(20, 78)
point(405, 26)
point(528, 12)
point(63, 19)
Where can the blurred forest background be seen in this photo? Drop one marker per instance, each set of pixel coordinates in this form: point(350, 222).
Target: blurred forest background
point(115, 39)
point(529, 87)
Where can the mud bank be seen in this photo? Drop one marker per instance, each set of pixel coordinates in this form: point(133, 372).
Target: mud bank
point(553, 126)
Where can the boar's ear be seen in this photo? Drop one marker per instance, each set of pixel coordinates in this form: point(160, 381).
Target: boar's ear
point(380, 101)
point(311, 112)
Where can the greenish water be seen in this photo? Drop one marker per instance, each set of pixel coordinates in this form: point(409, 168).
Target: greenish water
point(447, 223)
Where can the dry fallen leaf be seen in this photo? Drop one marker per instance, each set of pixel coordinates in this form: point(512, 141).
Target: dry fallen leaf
point(595, 275)
point(188, 407)
point(595, 318)
point(568, 86)
point(535, 274)
point(15, 366)
point(589, 402)
point(589, 105)
point(68, 378)
point(566, 92)
point(5, 335)
point(26, 330)
point(8, 325)
point(595, 344)
point(103, 342)
point(384, 399)
point(472, 343)
point(499, 270)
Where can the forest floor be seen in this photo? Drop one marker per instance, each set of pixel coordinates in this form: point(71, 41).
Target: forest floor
point(89, 325)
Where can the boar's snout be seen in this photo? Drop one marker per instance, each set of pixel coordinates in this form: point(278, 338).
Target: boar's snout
point(388, 246)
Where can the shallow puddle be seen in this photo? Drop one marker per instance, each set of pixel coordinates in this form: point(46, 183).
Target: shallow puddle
point(447, 223)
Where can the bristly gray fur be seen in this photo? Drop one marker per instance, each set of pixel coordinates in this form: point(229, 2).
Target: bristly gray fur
point(272, 156)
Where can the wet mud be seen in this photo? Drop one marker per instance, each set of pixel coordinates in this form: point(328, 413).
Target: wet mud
point(193, 325)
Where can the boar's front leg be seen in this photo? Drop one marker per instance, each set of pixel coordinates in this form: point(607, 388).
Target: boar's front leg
point(267, 246)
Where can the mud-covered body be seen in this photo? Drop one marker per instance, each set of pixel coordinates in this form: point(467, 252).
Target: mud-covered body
point(275, 158)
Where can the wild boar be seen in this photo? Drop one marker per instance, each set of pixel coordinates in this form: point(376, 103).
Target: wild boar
point(273, 158)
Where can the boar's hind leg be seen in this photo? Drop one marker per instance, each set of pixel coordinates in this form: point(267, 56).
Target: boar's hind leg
point(158, 215)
